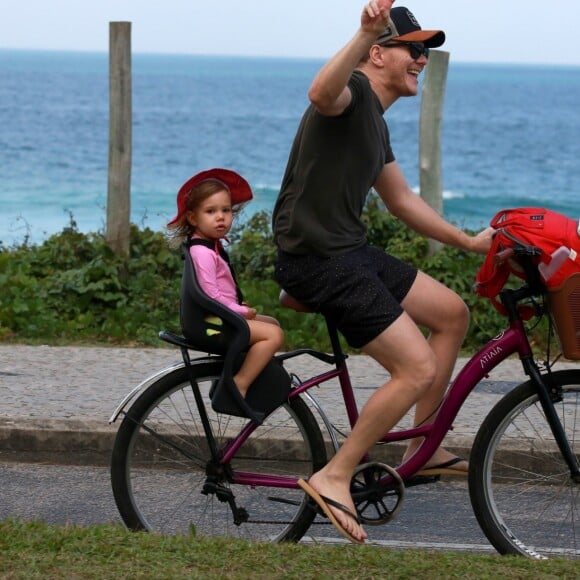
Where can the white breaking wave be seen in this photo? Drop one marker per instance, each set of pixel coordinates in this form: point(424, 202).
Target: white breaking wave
point(446, 194)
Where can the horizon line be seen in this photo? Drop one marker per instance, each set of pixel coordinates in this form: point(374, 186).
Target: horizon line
point(266, 57)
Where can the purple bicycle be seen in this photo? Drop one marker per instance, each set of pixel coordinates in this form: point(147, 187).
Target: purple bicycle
point(180, 466)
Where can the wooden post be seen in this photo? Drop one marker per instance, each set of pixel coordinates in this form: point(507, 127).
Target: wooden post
point(430, 173)
point(120, 138)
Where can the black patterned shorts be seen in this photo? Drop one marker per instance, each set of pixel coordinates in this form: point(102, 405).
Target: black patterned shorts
point(360, 291)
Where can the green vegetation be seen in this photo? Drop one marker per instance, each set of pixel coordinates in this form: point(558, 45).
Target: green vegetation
point(36, 550)
point(72, 288)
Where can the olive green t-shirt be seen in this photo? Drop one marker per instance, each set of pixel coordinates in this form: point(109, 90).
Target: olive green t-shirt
point(333, 163)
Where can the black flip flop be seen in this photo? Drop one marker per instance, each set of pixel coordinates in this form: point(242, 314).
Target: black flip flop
point(444, 468)
point(323, 502)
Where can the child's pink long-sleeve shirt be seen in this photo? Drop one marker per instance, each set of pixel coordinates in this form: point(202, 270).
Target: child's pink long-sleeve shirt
point(215, 277)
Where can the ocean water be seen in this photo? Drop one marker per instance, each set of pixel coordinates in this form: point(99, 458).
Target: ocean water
point(511, 135)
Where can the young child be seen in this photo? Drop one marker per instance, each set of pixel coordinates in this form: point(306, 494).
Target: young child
point(206, 204)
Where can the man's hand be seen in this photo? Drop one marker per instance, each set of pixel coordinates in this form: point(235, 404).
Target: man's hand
point(375, 15)
point(481, 243)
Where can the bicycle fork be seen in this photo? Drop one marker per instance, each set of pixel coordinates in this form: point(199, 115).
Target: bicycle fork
point(547, 397)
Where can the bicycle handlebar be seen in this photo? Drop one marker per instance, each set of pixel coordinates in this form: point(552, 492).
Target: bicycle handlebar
point(533, 286)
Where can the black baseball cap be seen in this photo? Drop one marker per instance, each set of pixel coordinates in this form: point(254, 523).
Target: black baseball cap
point(404, 27)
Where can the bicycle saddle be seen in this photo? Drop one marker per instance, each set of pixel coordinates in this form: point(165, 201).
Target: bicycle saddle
point(211, 327)
point(288, 301)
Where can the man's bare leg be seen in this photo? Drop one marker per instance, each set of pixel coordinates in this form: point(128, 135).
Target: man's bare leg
point(432, 305)
point(404, 351)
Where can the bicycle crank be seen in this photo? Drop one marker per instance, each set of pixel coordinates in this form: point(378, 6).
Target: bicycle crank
point(377, 490)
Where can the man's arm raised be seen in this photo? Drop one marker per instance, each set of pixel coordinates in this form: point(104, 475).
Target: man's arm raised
point(329, 92)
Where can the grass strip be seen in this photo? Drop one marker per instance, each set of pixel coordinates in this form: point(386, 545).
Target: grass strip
point(38, 550)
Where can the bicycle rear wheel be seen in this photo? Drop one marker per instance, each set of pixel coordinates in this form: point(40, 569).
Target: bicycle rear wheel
point(162, 477)
point(520, 486)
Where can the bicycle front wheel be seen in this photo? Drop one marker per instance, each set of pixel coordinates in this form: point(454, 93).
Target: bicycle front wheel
point(164, 480)
point(520, 486)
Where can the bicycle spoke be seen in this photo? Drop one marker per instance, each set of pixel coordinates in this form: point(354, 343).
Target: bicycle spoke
point(520, 486)
point(164, 479)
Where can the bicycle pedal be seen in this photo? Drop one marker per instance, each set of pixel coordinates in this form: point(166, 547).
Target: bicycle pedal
point(421, 480)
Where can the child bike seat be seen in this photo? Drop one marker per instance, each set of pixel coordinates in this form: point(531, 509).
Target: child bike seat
point(211, 327)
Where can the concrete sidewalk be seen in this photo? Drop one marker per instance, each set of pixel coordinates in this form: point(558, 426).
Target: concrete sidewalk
point(55, 402)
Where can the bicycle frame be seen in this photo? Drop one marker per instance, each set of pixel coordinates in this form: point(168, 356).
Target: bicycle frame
point(511, 341)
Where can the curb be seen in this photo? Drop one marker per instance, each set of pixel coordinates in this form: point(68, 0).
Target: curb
point(59, 442)
point(90, 442)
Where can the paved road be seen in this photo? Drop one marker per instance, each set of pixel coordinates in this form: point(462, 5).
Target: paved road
point(437, 516)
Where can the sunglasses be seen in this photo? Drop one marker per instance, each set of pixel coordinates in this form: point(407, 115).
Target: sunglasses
point(417, 49)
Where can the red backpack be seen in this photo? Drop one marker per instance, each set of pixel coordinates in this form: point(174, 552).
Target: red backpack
point(555, 235)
